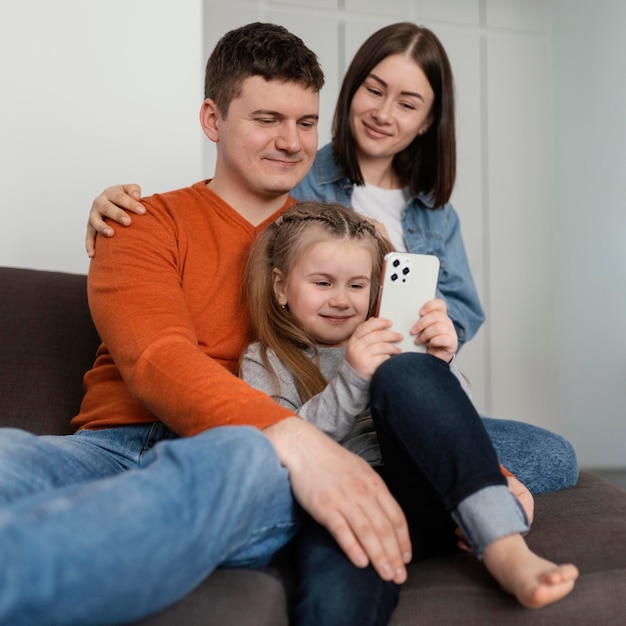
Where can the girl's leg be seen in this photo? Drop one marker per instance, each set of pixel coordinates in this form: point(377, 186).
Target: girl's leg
point(116, 549)
point(331, 591)
point(435, 448)
point(534, 581)
point(430, 435)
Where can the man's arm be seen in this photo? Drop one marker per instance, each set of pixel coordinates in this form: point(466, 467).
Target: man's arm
point(156, 309)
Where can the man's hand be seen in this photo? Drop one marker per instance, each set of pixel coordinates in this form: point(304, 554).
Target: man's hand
point(344, 494)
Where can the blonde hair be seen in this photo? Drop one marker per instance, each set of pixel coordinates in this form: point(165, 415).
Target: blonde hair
point(277, 247)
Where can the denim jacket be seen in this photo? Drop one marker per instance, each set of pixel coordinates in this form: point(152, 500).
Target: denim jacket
point(426, 231)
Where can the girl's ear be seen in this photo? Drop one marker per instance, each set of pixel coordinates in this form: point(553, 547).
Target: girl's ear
point(209, 119)
point(280, 286)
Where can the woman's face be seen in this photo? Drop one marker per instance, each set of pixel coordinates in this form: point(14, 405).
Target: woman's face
point(390, 108)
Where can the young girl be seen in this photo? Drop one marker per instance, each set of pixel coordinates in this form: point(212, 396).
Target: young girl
point(393, 159)
point(312, 284)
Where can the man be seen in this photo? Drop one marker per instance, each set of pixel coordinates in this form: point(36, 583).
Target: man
point(157, 488)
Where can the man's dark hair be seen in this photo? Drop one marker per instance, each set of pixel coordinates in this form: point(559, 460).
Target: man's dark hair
point(258, 49)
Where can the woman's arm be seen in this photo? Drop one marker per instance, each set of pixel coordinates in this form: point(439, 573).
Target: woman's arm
point(456, 283)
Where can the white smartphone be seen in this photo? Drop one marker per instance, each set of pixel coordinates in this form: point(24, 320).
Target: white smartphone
point(408, 282)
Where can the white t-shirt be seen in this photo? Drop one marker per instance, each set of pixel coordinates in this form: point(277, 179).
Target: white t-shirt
point(385, 206)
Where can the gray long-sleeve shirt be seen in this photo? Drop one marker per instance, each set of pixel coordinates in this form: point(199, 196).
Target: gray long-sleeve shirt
point(341, 410)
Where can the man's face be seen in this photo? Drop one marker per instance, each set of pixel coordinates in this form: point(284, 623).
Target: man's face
point(268, 140)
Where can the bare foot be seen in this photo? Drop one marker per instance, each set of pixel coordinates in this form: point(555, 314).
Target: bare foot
point(534, 581)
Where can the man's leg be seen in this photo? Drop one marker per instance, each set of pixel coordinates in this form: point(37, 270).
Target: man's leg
point(31, 464)
point(122, 547)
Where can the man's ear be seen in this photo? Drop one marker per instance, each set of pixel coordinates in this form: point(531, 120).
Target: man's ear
point(209, 118)
point(280, 286)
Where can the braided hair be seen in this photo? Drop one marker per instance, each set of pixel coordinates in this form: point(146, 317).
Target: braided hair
point(278, 247)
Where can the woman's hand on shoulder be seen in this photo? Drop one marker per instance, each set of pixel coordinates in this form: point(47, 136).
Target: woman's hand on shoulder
point(113, 203)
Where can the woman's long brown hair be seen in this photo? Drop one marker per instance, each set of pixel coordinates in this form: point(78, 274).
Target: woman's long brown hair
point(428, 164)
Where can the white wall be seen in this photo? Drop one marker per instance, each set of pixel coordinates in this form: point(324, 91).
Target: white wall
point(590, 225)
point(91, 93)
point(97, 92)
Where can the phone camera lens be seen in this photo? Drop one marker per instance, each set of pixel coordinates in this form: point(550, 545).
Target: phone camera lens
point(394, 277)
point(396, 262)
point(405, 270)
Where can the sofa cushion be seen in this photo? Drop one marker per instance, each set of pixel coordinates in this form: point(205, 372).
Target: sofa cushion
point(584, 525)
point(47, 343)
point(239, 597)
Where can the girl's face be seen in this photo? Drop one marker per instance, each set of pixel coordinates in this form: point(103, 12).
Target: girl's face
point(328, 288)
point(390, 108)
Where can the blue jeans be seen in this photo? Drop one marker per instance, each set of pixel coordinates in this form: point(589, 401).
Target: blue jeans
point(108, 526)
point(331, 591)
point(539, 458)
point(441, 466)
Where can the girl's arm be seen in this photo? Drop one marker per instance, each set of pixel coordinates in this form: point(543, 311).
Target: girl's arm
point(333, 411)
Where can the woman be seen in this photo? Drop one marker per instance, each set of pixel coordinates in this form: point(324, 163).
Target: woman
point(393, 159)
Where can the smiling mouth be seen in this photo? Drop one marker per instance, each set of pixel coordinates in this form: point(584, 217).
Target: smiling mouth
point(282, 162)
point(334, 319)
point(374, 130)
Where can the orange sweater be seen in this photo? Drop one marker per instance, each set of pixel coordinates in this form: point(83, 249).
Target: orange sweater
point(165, 298)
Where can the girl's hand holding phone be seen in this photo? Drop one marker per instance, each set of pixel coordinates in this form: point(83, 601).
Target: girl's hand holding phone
point(436, 330)
point(370, 344)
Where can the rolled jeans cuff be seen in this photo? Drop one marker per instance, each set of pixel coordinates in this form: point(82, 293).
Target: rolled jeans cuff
point(489, 514)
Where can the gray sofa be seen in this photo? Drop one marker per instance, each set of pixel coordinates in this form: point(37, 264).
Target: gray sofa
point(47, 341)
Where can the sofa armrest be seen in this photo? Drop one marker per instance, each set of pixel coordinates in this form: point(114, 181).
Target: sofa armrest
point(47, 343)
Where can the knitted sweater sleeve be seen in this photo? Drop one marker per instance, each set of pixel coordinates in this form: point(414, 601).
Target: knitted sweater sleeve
point(152, 362)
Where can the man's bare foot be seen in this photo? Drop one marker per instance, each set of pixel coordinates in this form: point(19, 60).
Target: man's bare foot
point(534, 581)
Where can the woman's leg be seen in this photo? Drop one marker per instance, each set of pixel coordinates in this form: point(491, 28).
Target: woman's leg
point(331, 591)
point(539, 458)
point(119, 548)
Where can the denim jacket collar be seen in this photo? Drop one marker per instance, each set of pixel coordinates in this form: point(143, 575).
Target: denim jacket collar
point(327, 172)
